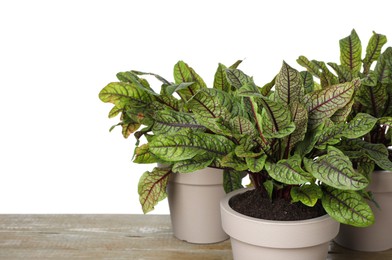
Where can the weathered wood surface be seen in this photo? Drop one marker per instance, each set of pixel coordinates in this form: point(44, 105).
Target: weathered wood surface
point(116, 237)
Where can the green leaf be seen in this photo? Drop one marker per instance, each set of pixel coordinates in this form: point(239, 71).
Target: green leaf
point(152, 188)
point(307, 194)
point(383, 69)
point(305, 146)
point(242, 126)
point(232, 161)
point(249, 89)
point(327, 78)
point(310, 66)
point(123, 94)
point(350, 52)
point(360, 125)
point(347, 207)
point(288, 171)
point(343, 72)
point(269, 186)
point(341, 114)
point(276, 119)
point(266, 89)
point(376, 152)
point(248, 146)
point(220, 79)
point(163, 80)
point(237, 78)
point(307, 81)
point(170, 89)
point(143, 155)
point(211, 103)
point(231, 180)
point(324, 103)
point(184, 73)
point(115, 111)
point(300, 119)
point(373, 50)
point(336, 170)
point(256, 164)
point(235, 64)
point(169, 122)
point(191, 165)
point(288, 86)
point(185, 145)
point(373, 99)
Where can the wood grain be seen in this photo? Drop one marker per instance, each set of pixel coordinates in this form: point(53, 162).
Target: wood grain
point(116, 237)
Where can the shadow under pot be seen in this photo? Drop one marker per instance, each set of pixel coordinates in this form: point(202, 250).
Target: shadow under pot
point(377, 237)
point(194, 205)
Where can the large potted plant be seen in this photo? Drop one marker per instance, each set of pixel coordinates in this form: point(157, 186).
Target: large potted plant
point(193, 189)
point(371, 154)
point(286, 141)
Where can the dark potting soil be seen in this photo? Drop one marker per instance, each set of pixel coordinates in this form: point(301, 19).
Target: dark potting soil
point(251, 203)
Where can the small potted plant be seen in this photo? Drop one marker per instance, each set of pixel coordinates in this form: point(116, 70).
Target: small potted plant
point(193, 185)
point(371, 155)
point(286, 141)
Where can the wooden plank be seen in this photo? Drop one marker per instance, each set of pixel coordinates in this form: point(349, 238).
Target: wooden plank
point(116, 237)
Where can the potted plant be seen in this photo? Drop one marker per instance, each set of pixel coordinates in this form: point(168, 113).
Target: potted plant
point(371, 155)
point(286, 141)
point(194, 190)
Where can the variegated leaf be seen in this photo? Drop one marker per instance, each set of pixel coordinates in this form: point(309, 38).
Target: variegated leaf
point(324, 103)
point(143, 155)
point(335, 169)
point(307, 81)
point(185, 145)
point(300, 118)
point(220, 79)
point(288, 86)
point(256, 164)
point(375, 152)
point(232, 180)
point(360, 125)
point(383, 68)
point(308, 194)
point(343, 72)
point(152, 187)
point(347, 207)
point(327, 78)
point(242, 126)
point(234, 162)
point(276, 119)
point(168, 122)
point(288, 171)
point(341, 114)
point(310, 66)
point(191, 165)
point(373, 99)
point(123, 94)
point(237, 78)
point(373, 50)
point(184, 73)
point(350, 52)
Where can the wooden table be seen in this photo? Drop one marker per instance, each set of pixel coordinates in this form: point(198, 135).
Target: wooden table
point(116, 237)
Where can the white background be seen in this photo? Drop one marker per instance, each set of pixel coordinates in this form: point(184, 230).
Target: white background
point(56, 154)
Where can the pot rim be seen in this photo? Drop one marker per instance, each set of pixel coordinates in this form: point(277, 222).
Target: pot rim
point(273, 233)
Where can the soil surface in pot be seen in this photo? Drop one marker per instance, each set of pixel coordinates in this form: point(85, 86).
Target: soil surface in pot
point(251, 203)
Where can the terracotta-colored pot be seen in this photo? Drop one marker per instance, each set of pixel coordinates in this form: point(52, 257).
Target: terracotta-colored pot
point(194, 205)
point(258, 239)
point(377, 237)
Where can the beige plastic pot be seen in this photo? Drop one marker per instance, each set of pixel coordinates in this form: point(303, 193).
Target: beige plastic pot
point(258, 239)
point(377, 237)
point(194, 206)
